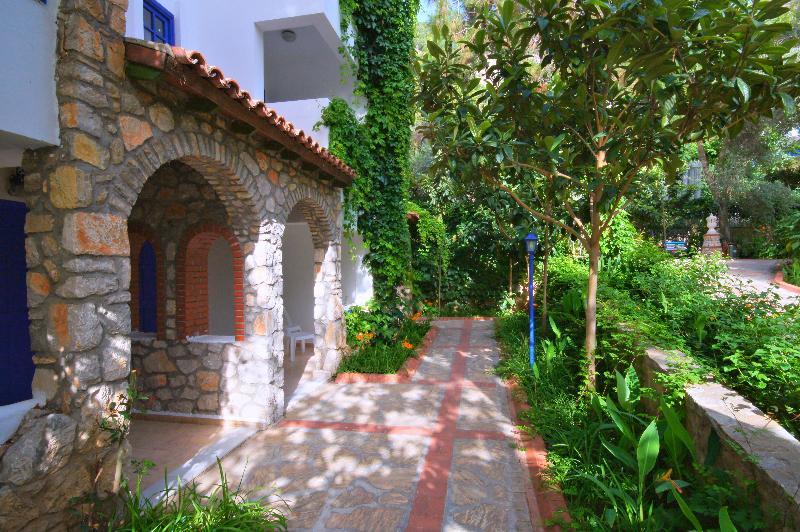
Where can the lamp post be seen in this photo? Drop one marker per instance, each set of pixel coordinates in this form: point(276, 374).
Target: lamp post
point(531, 243)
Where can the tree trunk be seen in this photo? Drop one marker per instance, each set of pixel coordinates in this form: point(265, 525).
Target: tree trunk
point(545, 263)
point(591, 312)
point(719, 194)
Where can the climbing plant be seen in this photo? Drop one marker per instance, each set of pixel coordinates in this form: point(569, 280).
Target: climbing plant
point(381, 35)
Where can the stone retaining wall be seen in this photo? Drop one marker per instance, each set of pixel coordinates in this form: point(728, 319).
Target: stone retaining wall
point(234, 381)
point(753, 446)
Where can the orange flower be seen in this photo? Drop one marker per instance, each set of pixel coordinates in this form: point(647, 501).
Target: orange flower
point(417, 315)
point(407, 344)
point(360, 336)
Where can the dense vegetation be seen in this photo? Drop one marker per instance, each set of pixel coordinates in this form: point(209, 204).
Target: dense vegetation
point(647, 297)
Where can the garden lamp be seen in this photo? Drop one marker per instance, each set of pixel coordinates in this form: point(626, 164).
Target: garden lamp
point(531, 243)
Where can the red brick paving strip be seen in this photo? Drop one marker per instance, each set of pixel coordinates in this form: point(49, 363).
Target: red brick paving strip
point(427, 512)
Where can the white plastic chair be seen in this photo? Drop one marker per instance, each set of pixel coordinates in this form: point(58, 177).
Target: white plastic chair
point(296, 334)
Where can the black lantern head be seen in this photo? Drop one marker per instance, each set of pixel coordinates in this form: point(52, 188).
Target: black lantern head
point(531, 243)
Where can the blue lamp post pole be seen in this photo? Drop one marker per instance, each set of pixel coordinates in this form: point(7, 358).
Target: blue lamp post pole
point(531, 242)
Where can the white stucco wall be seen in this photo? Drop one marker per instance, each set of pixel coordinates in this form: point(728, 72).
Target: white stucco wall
point(220, 289)
point(356, 279)
point(28, 107)
point(298, 274)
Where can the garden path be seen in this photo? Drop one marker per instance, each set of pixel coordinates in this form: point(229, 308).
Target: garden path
point(760, 272)
point(436, 453)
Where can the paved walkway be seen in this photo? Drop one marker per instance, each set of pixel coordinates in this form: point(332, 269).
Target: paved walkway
point(761, 272)
point(436, 453)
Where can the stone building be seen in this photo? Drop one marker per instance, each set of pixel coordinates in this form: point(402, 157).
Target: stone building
point(154, 241)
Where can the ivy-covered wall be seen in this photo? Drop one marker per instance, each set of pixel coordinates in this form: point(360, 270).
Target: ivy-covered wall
point(378, 147)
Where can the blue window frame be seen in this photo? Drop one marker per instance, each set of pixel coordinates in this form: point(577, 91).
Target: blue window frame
point(159, 24)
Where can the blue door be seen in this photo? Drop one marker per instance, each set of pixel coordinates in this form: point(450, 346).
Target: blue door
point(16, 363)
point(147, 288)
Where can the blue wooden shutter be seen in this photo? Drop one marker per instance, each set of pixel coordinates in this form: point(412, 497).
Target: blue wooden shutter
point(16, 363)
point(148, 296)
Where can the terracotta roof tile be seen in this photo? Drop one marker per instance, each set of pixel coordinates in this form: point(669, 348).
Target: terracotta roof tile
point(153, 55)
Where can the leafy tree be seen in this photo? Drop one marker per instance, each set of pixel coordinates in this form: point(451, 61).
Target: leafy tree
point(631, 83)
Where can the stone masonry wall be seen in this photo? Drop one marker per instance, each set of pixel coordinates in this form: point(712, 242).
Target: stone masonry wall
point(217, 379)
point(116, 133)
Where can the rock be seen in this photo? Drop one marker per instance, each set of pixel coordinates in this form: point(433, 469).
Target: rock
point(483, 517)
point(158, 362)
point(187, 366)
point(116, 359)
point(80, 286)
point(208, 381)
point(87, 149)
point(46, 382)
point(95, 234)
point(82, 37)
point(38, 288)
point(73, 327)
point(213, 361)
point(116, 318)
point(38, 223)
point(70, 187)
point(354, 497)
point(90, 264)
point(162, 117)
point(43, 448)
point(86, 369)
point(367, 519)
point(134, 131)
point(209, 402)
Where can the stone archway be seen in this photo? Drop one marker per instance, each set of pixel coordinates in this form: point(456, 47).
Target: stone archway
point(327, 294)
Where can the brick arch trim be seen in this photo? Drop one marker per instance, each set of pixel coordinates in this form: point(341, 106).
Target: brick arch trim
point(192, 280)
point(138, 234)
point(230, 170)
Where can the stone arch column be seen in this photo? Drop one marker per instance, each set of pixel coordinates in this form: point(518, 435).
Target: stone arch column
point(328, 311)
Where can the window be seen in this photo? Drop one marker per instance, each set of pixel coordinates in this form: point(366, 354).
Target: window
point(159, 24)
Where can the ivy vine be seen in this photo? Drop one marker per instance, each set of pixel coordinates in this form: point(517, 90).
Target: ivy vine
point(381, 33)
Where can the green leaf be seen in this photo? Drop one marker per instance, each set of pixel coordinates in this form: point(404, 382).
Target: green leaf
point(744, 88)
point(788, 103)
point(725, 523)
point(613, 412)
point(507, 11)
point(685, 509)
point(677, 427)
point(623, 392)
point(435, 50)
point(647, 452)
point(619, 453)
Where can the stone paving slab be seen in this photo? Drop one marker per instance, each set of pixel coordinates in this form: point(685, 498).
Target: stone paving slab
point(330, 479)
point(436, 365)
point(484, 409)
point(487, 488)
point(395, 404)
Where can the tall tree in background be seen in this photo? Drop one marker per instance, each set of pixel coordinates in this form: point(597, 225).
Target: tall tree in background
point(631, 83)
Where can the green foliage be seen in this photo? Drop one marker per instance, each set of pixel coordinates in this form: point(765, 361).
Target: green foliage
point(745, 338)
point(379, 345)
point(616, 464)
point(184, 509)
point(628, 84)
point(188, 509)
point(378, 148)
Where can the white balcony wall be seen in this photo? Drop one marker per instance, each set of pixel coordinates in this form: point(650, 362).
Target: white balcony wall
point(28, 106)
point(304, 114)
